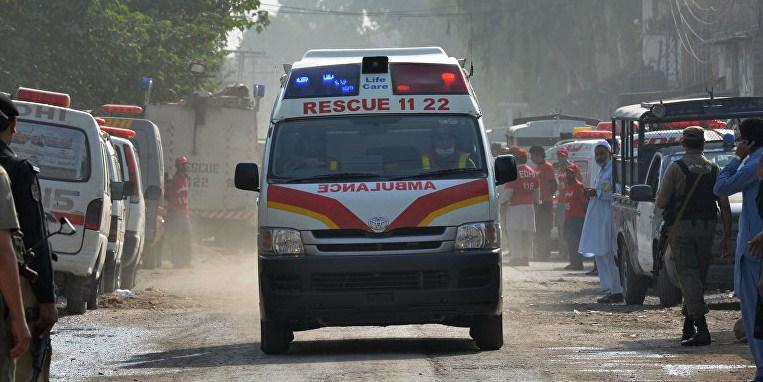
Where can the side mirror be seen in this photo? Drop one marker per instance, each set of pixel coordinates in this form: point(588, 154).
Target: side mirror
point(642, 193)
point(50, 218)
point(247, 177)
point(117, 190)
point(66, 227)
point(129, 188)
point(505, 169)
point(153, 193)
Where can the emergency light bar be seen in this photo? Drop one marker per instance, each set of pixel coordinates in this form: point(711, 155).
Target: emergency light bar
point(411, 78)
point(43, 97)
point(100, 121)
point(122, 109)
point(590, 134)
point(323, 81)
point(117, 132)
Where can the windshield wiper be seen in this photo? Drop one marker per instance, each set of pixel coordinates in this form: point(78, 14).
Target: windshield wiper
point(436, 173)
point(337, 176)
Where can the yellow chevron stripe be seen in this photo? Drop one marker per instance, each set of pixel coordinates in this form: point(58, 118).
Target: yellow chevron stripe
point(452, 207)
point(305, 212)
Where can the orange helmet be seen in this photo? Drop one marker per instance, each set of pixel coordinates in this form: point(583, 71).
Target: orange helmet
point(181, 160)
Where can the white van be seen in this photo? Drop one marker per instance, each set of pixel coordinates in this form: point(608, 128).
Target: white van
point(148, 144)
point(67, 147)
point(136, 206)
point(582, 153)
point(365, 217)
point(113, 267)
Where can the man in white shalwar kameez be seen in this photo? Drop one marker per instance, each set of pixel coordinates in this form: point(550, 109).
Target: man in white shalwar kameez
point(596, 240)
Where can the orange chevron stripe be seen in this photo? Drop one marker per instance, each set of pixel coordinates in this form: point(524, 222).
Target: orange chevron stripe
point(452, 207)
point(305, 212)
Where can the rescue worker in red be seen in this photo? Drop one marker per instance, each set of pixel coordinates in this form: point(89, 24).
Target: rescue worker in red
point(445, 155)
point(178, 217)
point(574, 199)
point(522, 195)
point(544, 209)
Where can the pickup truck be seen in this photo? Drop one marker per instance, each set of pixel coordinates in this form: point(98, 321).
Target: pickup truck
point(640, 163)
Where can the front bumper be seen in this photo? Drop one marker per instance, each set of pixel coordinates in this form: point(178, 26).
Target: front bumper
point(341, 290)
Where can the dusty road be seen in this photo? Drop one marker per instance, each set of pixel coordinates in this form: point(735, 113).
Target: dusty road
point(202, 325)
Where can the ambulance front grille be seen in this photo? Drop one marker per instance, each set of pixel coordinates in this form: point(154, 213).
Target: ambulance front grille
point(377, 247)
point(357, 233)
point(379, 281)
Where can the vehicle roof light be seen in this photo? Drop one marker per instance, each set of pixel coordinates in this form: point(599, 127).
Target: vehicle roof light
point(117, 132)
point(414, 78)
point(43, 97)
point(100, 121)
point(323, 81)
point(122, 109)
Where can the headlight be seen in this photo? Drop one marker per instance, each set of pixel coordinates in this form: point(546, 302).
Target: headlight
point(277, 241)
point(478, 236)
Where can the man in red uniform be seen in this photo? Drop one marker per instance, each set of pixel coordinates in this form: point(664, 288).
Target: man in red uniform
point(561, 166)
point(544, 209)
point(574, 199)
point(178, 217)
point(520, 222)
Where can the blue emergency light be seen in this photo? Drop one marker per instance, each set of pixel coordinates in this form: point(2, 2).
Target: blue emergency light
point(729, 139)
point(323, 81)
point(302, 80)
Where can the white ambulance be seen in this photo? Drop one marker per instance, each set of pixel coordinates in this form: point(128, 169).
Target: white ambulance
point(135, 204)
point(377, 202)
point(113, 266)
point(67, 147)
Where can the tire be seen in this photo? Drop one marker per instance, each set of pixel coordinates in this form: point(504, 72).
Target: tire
point(634, 285)
point(669, 294)
point(487, 332)
point(112, 275)
point(95, 290)
point(275, 337)
point(75, 293)
point(129, 274)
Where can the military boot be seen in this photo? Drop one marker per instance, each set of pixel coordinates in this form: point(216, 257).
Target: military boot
point(689, 330)
point(702, 337)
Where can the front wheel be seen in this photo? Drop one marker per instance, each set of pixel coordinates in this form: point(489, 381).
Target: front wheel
point(96, 288)
point(112, 274)
point(634, 285)
point(487, 332)
point(275, 337)
point(76, 292)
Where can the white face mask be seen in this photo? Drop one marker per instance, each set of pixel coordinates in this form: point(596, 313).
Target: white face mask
point(445, 152)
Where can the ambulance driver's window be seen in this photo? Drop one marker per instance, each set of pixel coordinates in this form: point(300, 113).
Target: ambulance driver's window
point(60, 152)
point(358, 148)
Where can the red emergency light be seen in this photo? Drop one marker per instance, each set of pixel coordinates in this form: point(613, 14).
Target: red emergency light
point(410, 78)
point(43, 96)
point(708, 124)
point(122, 109)
point(100, 121)
point(594, 134)
point(117, 132)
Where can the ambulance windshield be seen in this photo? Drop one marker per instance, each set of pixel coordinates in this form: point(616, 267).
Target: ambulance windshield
point(60, 152)
point(359, 148)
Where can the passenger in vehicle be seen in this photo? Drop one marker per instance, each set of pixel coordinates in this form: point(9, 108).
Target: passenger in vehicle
point(310, 153)
point(444, 154)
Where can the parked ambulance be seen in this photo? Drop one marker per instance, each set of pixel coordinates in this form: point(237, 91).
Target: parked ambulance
point(135, 204)
point(148, 144)
point(113, 266)
point(377, 200)
point(75, 183)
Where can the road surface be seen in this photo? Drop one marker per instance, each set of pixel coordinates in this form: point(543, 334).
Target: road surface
point(202, 324)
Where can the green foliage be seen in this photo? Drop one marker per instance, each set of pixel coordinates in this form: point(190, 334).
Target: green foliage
point(98, 50)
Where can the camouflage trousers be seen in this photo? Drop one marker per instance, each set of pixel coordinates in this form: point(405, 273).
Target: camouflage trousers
point(691, 248)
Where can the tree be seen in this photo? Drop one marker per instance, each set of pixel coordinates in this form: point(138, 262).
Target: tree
point(98, 50)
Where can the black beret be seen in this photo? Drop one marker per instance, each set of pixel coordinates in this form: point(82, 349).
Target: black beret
point(7, 109)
